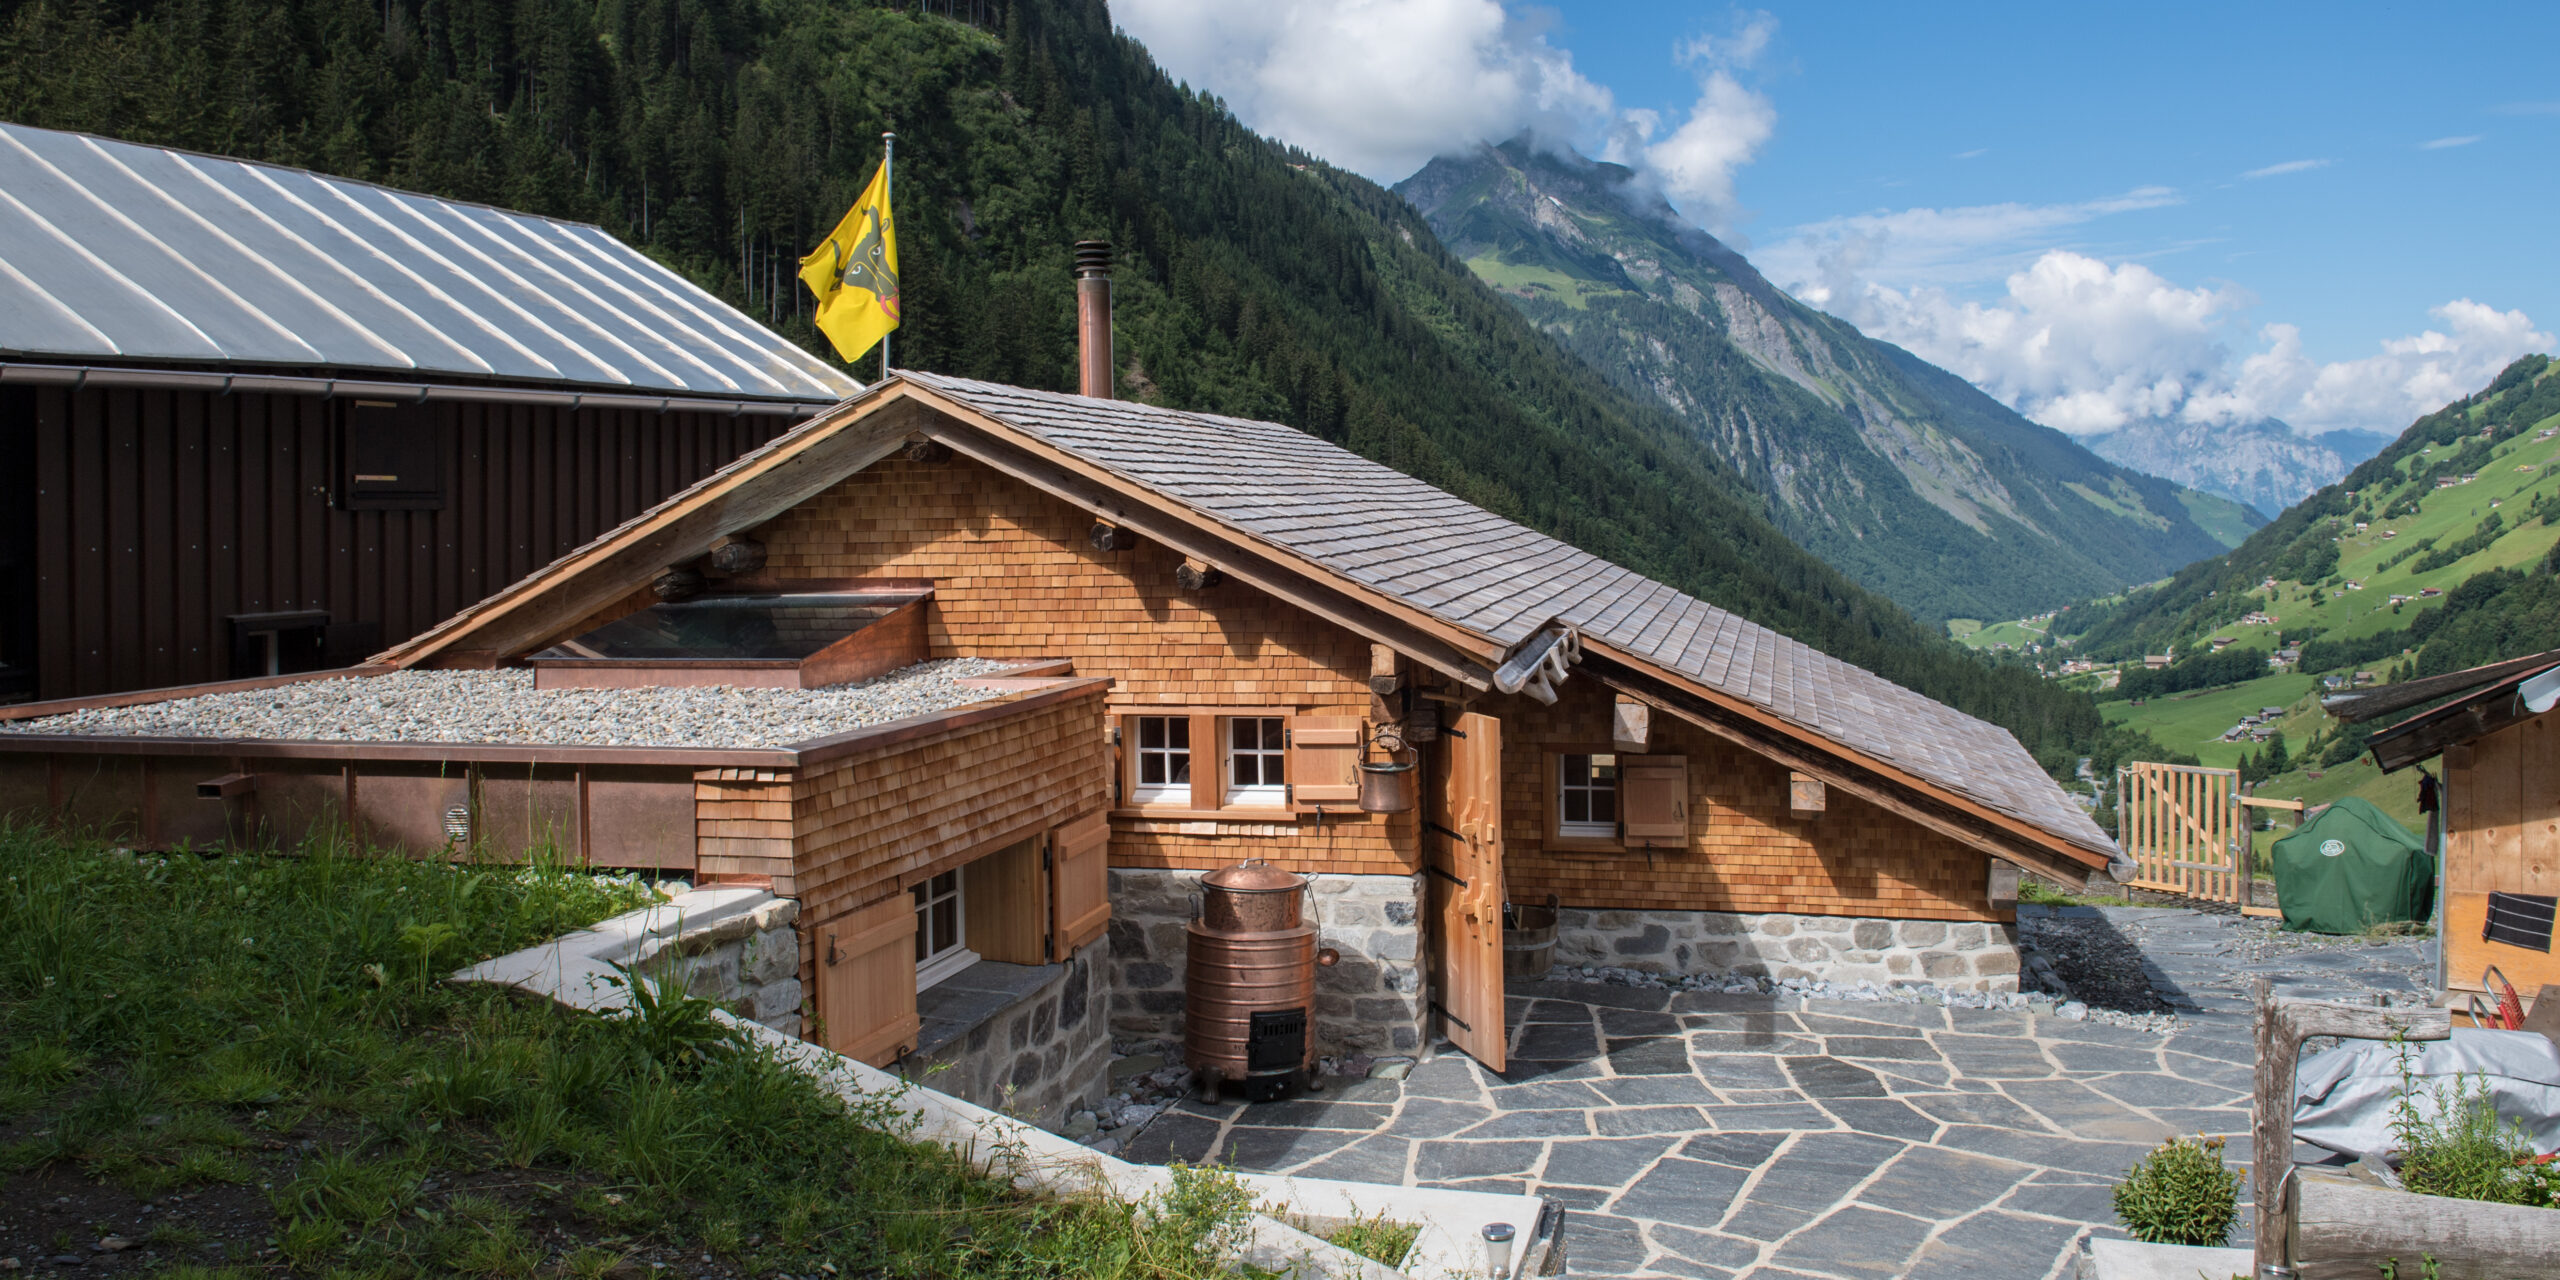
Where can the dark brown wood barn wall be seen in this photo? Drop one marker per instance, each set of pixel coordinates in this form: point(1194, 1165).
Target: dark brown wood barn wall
point(160, 514)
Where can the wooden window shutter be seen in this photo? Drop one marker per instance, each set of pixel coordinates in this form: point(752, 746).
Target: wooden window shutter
point(1324, 760)
point(867, 980)
point(1009, 904)
point(1079, 882)
point(1653, 799)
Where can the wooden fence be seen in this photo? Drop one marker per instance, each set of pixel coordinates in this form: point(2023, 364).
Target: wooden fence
point(2186, 828)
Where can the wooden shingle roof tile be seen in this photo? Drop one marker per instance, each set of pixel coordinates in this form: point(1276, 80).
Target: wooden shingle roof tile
point(1504, 581)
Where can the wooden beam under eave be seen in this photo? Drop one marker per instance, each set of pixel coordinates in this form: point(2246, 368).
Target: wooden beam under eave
point(1878, 792)
point(1785, 736)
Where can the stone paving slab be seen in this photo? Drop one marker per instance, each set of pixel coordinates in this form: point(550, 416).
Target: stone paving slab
point(1708, 1134)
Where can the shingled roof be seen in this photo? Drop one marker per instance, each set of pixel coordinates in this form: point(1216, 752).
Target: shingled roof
point(1382, 531)
point(1506, 581)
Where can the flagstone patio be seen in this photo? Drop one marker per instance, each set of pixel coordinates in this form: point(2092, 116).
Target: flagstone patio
point(1705, 1134)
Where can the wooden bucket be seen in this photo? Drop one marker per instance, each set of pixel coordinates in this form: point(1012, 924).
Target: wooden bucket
point(1528, 939)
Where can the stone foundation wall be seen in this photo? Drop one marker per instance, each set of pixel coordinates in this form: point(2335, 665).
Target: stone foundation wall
point(748, 963)
point(1838, 949)
point(1042, 1058)
point(1370, 1002)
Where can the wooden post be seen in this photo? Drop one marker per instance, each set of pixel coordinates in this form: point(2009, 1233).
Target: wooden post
point(1806, 796)
point(1386, 680)
point(1631, 726)
point(1197, 575)
point(2282, 1026)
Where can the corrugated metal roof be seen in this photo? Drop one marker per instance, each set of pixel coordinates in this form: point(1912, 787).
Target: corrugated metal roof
point(1505, 581)
point(113, 251)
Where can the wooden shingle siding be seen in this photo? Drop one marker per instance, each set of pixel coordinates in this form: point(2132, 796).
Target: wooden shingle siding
point(1744, 853)
point(742, 826)
point(1015, 576)
point(870, 825)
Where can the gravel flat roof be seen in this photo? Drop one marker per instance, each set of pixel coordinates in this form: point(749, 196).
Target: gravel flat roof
point(503, 707)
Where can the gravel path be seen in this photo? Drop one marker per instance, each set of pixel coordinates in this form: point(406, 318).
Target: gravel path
point(503, 707)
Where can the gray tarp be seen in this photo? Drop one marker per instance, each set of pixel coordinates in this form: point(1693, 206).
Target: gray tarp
point(2343, 1097)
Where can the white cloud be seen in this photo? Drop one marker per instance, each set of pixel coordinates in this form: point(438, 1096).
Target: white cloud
point(1375, 86)
point(2440, 144)
point(2085, 347)
point(1821, 261)
point(1976, 153)
point(2289, 166)
point(1379, 87)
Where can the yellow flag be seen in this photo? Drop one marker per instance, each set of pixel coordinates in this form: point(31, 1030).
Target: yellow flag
point(855, 273)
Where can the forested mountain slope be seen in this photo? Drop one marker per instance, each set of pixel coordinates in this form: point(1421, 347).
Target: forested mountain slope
point(724, 137)
point(1905, 476)
point(2436, 554)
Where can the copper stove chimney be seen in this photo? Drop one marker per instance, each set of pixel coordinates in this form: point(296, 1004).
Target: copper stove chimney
point(1093, 318)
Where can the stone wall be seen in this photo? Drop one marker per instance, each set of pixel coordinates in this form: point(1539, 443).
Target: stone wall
point(1369, 1002)
point(748, 962)
point(1039, 1059)
point(1959, 956)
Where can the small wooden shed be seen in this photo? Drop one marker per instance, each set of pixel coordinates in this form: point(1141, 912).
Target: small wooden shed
point(2498, 811)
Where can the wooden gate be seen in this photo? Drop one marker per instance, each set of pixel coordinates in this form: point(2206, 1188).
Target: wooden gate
point(2185, 827)
point(1462, 861)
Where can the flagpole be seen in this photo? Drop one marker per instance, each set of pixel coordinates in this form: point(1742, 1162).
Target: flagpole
point(888, 152)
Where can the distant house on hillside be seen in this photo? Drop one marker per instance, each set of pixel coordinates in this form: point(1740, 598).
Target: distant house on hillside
point(2430, 592)
point(2446, 482)
point(2220, 643)
point(2154, 661)
point(257, 420)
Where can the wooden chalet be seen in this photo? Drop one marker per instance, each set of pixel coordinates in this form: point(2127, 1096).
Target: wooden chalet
point(256, 420)
point(1234, 641)
point(1274, 613)
point(2497, 816)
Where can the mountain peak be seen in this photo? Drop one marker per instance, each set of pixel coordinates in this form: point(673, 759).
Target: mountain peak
point(1901, 474)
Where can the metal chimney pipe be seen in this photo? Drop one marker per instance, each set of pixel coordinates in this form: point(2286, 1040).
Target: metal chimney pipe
point(1093, 319)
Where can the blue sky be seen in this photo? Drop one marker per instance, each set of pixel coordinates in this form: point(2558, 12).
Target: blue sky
point(2055, 201)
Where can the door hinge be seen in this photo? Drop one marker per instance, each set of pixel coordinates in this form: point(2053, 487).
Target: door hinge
point(1462, 1023)
point(1288, 793)
point(1446, 876)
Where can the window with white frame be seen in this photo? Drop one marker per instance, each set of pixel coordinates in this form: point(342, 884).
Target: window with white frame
point(1587, 797)
point(1164, 760)
point(942, 929)
point(1257, 761)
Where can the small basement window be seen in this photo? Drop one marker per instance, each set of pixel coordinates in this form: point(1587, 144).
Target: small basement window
point(390, 457)
point(1587, 797)
point(1258, 761)
point(942, 929)
point(1164, 760)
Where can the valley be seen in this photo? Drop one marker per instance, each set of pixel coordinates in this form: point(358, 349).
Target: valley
point(2434, 556)
point(1905, 477)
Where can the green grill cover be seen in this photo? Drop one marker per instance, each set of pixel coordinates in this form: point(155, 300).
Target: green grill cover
point(2350, 867)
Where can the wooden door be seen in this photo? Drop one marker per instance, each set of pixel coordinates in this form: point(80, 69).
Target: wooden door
point(1462, 862)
